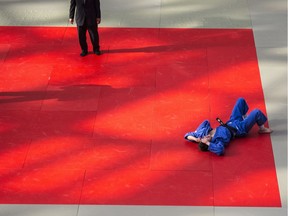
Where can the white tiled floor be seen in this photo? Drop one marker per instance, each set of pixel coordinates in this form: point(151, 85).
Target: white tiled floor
point(267, 18)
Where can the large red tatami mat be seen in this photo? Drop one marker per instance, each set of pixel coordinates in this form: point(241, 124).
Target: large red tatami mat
point(109, 129)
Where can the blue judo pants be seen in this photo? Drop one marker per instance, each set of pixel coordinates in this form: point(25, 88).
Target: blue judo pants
point(244, 125)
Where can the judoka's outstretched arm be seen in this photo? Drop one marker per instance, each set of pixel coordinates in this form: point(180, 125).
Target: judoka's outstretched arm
point(192, 138)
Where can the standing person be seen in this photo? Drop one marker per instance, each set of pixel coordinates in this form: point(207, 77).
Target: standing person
point(215, 140)
point(88, 16)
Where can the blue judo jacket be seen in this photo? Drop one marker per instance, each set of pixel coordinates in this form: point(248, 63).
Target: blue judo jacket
point(219, 141)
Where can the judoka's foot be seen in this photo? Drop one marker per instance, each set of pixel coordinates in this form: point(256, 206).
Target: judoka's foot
point(265, 130)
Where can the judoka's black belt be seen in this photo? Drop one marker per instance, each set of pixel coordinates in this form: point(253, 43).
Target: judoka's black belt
point(232, 130)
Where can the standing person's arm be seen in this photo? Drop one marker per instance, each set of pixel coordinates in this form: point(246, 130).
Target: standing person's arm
point(72, 11)
point(98, 11)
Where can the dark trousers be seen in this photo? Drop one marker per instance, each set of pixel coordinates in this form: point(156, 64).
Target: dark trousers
point(94, 36)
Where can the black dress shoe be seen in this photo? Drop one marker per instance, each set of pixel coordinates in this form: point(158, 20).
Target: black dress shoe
point(83, 53)
point(97, 52)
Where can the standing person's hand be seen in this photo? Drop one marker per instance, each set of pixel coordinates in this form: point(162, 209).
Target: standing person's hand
point(71, 21)
point(98, 20)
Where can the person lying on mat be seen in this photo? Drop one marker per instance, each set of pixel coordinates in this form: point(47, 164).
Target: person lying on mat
point(215, 140)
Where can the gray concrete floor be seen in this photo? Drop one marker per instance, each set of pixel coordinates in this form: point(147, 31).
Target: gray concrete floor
point(267, 18)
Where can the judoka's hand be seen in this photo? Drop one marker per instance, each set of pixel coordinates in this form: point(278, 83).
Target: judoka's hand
point(206, 140)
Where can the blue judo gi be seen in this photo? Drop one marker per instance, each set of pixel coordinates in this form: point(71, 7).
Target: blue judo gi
point(238, 120)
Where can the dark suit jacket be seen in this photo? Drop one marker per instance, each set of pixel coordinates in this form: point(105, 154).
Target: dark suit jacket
point(89, 11)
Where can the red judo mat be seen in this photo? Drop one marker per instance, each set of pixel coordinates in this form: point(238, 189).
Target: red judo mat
point(109, 129)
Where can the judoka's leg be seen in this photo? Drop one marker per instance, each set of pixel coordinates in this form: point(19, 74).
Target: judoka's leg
point(240, 109)
point(256, 117)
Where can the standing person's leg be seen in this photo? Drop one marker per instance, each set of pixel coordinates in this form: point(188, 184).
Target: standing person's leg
point(240, 109)
point(82, 39)
point(94, 36)
point(256, 117)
